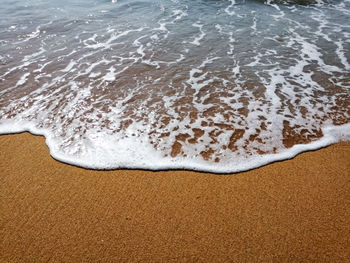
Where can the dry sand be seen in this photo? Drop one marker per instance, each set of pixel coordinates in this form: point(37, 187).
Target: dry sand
point(292, 211)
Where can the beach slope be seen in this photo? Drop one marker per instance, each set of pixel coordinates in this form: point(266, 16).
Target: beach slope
point(292, 211)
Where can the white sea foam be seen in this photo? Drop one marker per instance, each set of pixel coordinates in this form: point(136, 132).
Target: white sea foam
point(197, 40)
point(23, 79)
point(106, 152)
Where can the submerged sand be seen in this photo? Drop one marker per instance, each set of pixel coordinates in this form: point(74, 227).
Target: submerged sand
point(292, 211)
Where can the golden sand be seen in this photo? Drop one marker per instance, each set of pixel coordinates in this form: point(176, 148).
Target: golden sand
point(292, 211)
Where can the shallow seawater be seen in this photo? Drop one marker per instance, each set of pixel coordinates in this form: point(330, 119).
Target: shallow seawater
point(220, 86)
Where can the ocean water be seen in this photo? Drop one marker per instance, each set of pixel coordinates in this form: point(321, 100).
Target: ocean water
point(220, 86)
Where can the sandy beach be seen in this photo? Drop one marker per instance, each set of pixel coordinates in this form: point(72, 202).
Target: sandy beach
point(292, 211)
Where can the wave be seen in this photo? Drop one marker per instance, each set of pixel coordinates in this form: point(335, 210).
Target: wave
point(211, 86)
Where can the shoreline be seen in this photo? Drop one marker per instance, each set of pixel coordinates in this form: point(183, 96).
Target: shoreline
point(331, 135)
point(296, 210)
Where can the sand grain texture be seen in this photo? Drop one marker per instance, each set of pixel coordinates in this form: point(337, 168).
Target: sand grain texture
point(291, 211)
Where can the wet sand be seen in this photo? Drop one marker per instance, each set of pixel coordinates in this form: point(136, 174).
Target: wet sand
point(292, 211)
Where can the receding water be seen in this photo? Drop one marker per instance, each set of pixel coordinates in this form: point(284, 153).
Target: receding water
point(209, 85)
